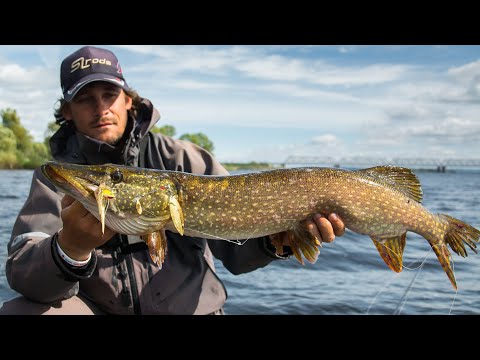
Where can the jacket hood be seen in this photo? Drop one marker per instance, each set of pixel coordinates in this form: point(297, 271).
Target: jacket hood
point(71, 146)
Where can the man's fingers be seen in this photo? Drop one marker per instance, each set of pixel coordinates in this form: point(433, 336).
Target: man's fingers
point(325, 227)
point(337, 224)
point(312, 227)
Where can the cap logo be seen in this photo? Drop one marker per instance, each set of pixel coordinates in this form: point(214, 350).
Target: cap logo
point(82, 63)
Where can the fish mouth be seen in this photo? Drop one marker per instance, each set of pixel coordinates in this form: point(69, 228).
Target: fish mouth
point(65, 177)
point(81, 185)
point(52, 175)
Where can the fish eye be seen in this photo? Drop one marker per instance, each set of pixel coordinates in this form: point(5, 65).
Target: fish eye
point(116, 176)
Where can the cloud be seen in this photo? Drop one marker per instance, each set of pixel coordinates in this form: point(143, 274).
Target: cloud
point(258, 112)
point(325, 140)
point(449, 129)
point(262, 64)
point(214, 61)
point(199, 85)
point(13, 76)
point(320, 72)
point(346, 49)
point(308, 92)
point(465, 73)
point(370, 106)
point(427, 137)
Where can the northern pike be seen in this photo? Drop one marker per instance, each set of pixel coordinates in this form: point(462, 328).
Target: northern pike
point(383, 202)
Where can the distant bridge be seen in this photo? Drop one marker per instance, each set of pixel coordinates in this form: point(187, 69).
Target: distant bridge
point(440, 163)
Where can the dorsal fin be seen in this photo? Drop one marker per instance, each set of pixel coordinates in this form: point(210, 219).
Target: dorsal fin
point(400, 178)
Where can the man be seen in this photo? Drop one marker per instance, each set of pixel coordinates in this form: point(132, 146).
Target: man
point(57, 257)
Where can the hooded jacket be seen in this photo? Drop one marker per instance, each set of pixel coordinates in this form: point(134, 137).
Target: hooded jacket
point(120, 277)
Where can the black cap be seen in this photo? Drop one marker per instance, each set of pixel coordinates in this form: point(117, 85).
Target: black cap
point(89, 64)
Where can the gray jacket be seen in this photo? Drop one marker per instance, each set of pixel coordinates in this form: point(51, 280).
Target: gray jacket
point(121, 278)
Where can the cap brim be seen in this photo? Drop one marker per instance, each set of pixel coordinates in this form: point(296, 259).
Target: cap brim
point(70, 93)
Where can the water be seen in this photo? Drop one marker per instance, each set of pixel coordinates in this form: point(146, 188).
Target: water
point(14, 189)
point(349, 276)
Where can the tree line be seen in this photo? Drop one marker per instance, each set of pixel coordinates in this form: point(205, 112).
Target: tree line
point(18, 150)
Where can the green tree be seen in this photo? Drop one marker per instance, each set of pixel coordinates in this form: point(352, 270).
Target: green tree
point(200, 139)
point(167, 130)
point(12, 121)
point(8, 160)
point(8, 148)
point(197, 138)
point(17, 146)
point(52, 128)
point(38, 155)
point(8, 141)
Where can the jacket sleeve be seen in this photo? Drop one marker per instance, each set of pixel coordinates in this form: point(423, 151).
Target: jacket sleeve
point(34, 268)
point(254, 253)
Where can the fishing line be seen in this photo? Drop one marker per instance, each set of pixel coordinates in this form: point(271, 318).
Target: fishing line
point(379, 292)
point(404, 298)
point(453, 301)
point(398, 274)
point(421, 264)
point(237, 242)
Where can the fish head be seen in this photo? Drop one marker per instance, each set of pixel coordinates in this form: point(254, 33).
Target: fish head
point(120, 191)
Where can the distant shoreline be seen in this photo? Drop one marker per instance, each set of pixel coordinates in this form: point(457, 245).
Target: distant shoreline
point(16, 169)
point(253, 165)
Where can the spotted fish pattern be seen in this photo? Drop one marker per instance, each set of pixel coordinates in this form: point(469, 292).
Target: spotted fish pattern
point(382, 202)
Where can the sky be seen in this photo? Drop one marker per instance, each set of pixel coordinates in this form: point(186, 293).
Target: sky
point(266, 103)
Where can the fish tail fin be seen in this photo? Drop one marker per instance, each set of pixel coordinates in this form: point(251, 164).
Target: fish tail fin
point(459, 233)
point(456, 234)
point(304, 242)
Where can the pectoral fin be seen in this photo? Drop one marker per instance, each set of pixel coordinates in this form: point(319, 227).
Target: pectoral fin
point(177, 214)
point(391, 250)
point(157, 246)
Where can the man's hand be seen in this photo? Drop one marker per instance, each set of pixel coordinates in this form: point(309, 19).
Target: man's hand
point(81, 232)
point(324, 229)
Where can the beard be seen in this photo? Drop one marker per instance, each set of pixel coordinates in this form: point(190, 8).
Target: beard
point(120, 140)
point(116, 140)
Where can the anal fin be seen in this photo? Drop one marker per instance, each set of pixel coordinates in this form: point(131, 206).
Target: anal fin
point(391, 250)
point(157, 246)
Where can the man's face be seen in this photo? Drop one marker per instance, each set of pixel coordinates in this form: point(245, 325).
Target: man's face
point(99, 110)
